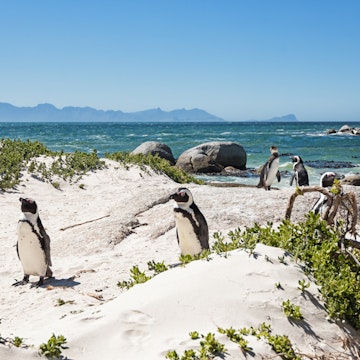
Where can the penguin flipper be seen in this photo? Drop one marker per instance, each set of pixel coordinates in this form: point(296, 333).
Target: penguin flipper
point(278, 176)
point(46, 242)
point(263, 176)
point(304, 181)
point(292, 179)
point(201, 230)
point(177, 237)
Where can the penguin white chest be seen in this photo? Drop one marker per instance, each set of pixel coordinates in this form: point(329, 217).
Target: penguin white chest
point(188, 241)
point(273, 169)
point(31, 255)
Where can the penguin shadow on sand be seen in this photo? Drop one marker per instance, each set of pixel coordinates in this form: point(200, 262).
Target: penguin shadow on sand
point(51, 282)
point(33, 249)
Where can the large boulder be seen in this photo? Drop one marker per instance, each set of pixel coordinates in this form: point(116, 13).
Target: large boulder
point(345, 129)
point(351, 180)
point(155, 148)
point(212, 157)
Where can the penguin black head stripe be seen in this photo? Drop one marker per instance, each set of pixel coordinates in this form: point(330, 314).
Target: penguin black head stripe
point(191, 227)
point(28, 205)
point(183, 197)
point(327, 179)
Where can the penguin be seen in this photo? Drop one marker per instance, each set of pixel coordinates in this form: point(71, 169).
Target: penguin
point(270, 170)
point(326, 180)
point(300, 174)
point(33, 244)
point(191, 227)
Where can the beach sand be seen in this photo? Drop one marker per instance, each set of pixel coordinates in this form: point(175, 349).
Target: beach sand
point(121, 217)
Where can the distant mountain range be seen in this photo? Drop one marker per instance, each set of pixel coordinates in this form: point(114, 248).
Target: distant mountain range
point(49, 113)
point(285, 118)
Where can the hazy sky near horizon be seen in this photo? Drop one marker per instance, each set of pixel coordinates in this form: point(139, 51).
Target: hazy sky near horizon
point(237, 59)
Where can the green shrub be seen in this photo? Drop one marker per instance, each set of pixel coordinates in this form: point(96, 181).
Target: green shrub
point(17, 155)
point(139, 277)
point(156, 163)
point(209, 348)
point(14, 154)
point(291, 311)
point(315, 245)
point(53, 347)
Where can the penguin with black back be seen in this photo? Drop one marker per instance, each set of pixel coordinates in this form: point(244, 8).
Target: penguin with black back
point(270, 170)
point(191, 227)
point(33, 244)
point(300, 174)
point(326, 181)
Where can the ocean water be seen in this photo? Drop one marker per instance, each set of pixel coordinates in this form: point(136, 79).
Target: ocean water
point(319, 151)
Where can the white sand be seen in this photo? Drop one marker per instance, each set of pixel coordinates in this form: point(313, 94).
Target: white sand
point(135, 224)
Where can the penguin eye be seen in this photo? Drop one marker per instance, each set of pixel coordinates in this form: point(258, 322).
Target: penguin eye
point(182, 193)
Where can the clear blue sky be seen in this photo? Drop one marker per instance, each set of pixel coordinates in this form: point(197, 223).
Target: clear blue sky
point(237, 59)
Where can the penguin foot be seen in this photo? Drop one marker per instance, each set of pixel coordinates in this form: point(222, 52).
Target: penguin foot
point(24, 281)
point(49, 273)
point(39, 283)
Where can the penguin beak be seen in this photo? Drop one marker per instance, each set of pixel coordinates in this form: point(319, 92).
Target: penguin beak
point(23, 200)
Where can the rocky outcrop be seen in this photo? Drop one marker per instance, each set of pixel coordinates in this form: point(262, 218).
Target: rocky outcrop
point(345, 129)
point(351, 180)
point(155, 148)
point(212, 157)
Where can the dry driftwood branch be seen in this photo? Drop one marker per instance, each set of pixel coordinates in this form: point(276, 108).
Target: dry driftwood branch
point(335, 203)
point(302, 191)
point(83, 223)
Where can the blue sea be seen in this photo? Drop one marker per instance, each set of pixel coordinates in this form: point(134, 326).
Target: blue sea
point(319, 151)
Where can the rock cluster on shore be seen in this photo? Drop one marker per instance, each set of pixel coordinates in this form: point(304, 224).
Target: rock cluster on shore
point(226, 159)
point(210, 157)
point(345, 129)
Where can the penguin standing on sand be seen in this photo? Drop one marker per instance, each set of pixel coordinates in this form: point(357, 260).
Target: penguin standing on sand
point(270, 170)
point(326, 180)
point(300, 174)
point(191, 227)
point(33, 244)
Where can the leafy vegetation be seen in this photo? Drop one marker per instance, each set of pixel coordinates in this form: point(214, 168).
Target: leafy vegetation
point(53, 347)
point(210, 347)
point(139, 277)
point(17, 156)
point(68, 166)
point(14, 155)
point(291, 311)
point(312, 242)
point(315, 244)
point(236, 336)
point(156, 163)
point(303, 285)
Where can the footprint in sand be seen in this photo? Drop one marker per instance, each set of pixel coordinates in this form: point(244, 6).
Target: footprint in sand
point(136, 320)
